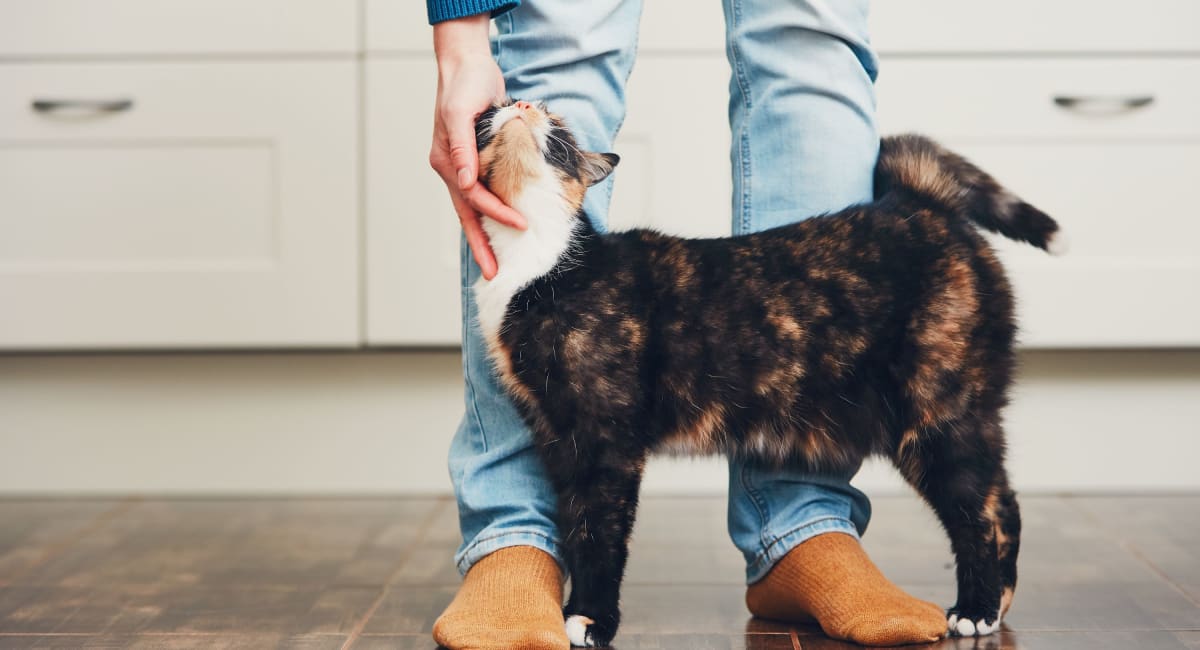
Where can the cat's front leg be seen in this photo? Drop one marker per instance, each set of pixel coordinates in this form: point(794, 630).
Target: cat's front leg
point(597, 505)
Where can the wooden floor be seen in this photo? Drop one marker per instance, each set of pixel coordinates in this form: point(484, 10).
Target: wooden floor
point(1096, 573)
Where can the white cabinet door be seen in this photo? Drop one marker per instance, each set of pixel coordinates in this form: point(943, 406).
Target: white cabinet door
point(411, 234)
point(1119, 179)
point(74, 28)
point(184, 204)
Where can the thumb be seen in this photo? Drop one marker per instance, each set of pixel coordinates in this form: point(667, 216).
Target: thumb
point(463, 155)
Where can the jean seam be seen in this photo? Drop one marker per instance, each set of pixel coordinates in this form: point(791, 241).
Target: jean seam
point(608, 187)
point(507, 17)
point(739, 73)
point(760, 504)
point(746, 172)
point(468, 357)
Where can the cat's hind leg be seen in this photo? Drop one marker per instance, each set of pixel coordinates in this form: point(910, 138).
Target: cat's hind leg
point(958, 468)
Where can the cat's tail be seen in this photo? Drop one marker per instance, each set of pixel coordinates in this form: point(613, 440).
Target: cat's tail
point(919, 166)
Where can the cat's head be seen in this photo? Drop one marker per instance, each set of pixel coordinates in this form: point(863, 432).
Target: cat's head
point(527, 155)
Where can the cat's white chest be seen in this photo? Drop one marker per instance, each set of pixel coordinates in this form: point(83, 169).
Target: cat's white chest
point(523, 255)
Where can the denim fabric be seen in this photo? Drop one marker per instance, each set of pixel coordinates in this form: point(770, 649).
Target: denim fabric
point(804, 142)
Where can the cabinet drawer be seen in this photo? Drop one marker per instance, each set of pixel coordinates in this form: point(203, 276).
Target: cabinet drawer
point(217, 208)
point(1035, 26)
point(54, 28)
point(1120, 181)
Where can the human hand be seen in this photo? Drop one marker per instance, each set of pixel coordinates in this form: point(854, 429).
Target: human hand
point(469, 81)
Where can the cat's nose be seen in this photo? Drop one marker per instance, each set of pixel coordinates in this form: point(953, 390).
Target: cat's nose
point(525, 106)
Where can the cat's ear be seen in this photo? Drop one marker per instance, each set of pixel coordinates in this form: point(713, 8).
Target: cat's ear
point(597, 166)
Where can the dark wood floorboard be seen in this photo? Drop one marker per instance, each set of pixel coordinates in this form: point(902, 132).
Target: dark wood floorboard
point(1096, 573)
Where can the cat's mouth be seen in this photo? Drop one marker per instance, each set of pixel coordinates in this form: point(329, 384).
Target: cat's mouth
point(522, 115)
point(515, 116)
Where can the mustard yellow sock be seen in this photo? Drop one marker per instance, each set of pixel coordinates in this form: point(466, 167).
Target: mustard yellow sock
point(830, 579)
point(510, 599)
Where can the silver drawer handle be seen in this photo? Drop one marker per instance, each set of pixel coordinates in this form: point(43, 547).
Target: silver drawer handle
point(84, 105)
point(1100, 104)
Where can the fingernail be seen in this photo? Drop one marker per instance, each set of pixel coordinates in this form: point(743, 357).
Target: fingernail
point(464, 178)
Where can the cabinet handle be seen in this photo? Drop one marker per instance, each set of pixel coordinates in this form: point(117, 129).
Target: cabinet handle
point(1103, 105)
point(87, 105)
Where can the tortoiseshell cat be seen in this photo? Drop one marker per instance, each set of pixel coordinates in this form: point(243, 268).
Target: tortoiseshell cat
point(886, 328)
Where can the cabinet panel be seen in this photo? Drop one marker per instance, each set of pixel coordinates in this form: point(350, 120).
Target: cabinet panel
point(396, 27)
point(217, 208)
point(205, 204)
point(412, 232)
point(72, 28)
point(1035, 26)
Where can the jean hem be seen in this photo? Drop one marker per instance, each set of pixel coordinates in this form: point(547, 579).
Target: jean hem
point(782, 544)
point(485, 546)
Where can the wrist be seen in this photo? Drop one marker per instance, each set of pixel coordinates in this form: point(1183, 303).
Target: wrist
point(461, 40)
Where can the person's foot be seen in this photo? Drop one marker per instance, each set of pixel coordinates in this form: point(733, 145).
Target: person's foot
point(830, 579)
point(511, 598)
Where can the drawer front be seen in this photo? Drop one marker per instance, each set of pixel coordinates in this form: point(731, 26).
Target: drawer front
point(55, 28)
point(1035, 26)
point(1118, 178)
point(193, 205)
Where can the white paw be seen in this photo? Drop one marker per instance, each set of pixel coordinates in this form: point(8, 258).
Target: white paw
point(967, 627)
point(577, 631)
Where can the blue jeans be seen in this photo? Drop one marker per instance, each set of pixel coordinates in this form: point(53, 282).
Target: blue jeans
point(801, 112)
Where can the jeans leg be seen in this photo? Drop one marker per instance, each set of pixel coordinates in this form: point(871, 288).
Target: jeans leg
point(576, 57)
point(802, 114)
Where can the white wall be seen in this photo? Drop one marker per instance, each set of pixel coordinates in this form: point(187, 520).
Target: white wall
point(381, 421)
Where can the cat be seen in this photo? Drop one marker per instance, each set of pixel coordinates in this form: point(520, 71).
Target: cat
point(886, 328)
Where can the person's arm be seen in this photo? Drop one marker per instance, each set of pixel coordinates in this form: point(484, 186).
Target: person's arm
point(469, 81)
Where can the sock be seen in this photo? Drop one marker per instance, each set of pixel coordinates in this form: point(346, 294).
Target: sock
point(829, 578)
point(512, 598)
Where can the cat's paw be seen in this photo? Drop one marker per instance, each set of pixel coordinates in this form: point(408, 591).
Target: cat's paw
point(960, 622)
point(585, 632)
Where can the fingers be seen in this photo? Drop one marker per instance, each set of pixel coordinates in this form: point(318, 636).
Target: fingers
point(477, 239)
point(464, 157)
point(462, 170)
point(487, 203)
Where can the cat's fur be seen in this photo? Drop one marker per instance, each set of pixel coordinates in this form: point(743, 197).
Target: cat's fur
point(886, 328)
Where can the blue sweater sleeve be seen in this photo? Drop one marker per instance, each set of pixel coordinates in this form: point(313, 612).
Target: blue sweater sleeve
point(440, 10)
